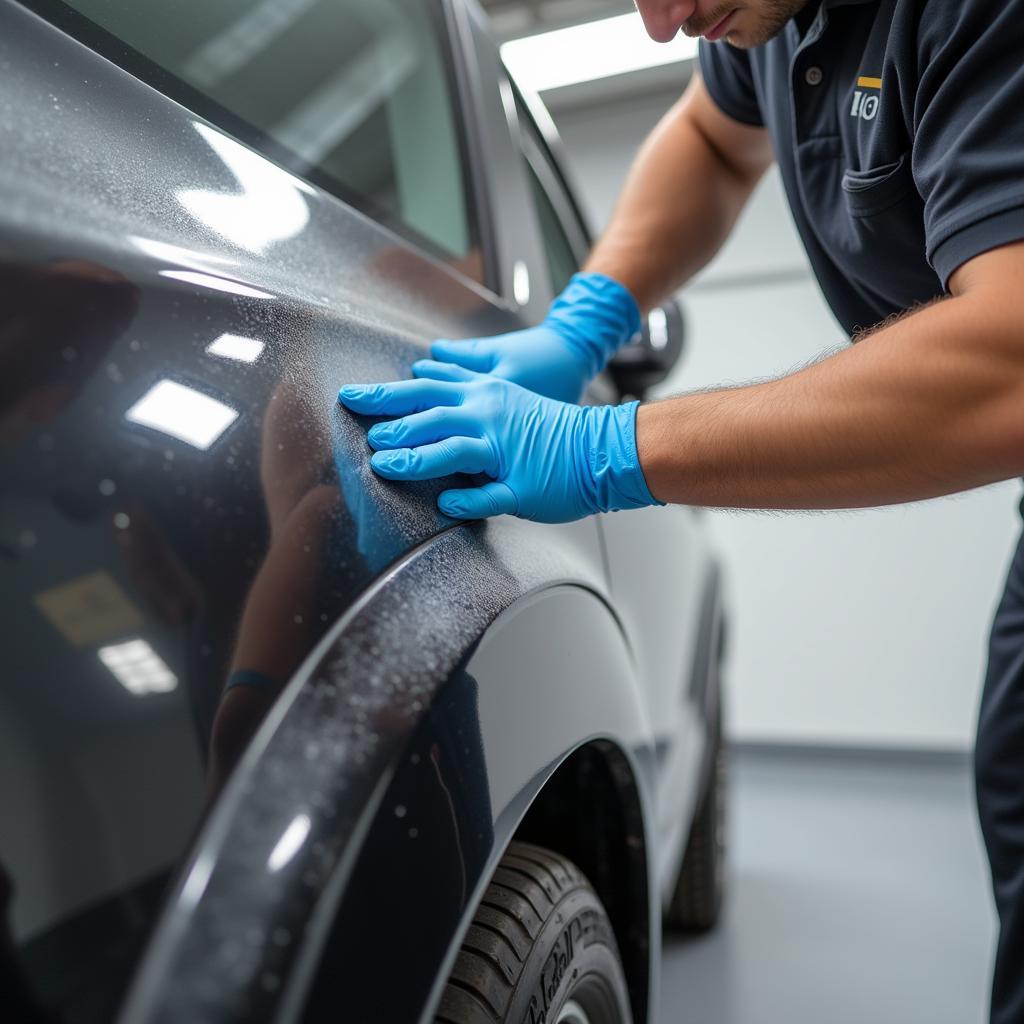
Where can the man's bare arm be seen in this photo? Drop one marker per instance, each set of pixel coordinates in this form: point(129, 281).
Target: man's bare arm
point(687, 186)
point(930, 405)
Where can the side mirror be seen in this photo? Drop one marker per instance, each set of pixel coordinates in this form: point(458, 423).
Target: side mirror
point(650, 356)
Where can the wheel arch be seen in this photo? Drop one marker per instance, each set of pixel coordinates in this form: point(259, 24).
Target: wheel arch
point(583, 786)
point(603, 834)
point(404, 813)
point(521, 742)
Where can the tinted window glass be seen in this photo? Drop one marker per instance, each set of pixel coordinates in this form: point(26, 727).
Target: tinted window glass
point(561, 259)
point(354, 95)
point(563, 236)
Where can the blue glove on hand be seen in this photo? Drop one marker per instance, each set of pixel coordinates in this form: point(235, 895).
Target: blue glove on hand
point(550, 461)
point(586, 325)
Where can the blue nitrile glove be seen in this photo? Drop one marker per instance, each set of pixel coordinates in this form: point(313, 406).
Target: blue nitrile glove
point(586, 325)
point(550, 461)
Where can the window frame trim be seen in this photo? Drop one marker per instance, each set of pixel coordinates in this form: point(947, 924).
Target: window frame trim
point(546, 145)
point(562, 207)
point(461, 45)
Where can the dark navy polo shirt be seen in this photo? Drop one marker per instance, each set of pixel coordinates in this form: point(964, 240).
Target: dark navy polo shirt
point(898, 126)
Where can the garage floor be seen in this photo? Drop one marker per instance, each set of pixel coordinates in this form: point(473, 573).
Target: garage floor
point(859, 892)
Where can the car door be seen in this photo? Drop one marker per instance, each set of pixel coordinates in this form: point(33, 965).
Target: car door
point(211, 216)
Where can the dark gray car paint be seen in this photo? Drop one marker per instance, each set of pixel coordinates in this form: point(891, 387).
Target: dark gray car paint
point(91, 164)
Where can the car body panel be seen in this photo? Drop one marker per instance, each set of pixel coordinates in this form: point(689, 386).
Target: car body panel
point(350, 732)
point(274, 550)
point(662, 574)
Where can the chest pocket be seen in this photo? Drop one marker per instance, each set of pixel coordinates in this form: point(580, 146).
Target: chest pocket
point(868, 193)
point(884, 244)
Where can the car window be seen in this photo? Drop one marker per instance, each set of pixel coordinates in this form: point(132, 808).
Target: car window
point(563, 237)
point(355, 96)
point(561, 259)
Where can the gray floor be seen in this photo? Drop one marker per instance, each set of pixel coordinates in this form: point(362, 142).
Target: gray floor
point(858, 895)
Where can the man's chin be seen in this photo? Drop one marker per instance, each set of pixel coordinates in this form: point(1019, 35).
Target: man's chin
point(744, 36)
point(736, 36)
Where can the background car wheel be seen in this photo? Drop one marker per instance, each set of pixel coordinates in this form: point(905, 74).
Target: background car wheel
point(697, 900)
point(540, 949)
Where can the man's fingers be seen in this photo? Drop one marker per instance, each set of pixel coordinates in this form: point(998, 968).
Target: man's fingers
point(399, 398)
point(476, 354)
point(493, 499)
point(430, 369)
point(422, 428)
point(453, 455)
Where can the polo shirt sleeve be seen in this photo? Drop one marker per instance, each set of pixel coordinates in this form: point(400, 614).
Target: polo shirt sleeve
point(730, 81)
point(968, 157)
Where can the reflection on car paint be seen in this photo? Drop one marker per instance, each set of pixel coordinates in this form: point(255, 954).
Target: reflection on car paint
point(182, 412)
point(267, 207)
point(237, 347)
point(217, 284)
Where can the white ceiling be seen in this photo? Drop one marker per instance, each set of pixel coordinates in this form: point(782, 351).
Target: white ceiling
point(513, 18)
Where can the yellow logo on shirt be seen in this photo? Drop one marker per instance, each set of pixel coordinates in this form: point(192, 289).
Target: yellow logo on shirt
point(865, 98)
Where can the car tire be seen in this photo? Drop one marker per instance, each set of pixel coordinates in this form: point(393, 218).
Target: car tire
point(540, 949)
point(700, 889)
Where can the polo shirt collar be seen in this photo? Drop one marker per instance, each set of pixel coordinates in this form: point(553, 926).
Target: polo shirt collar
point(817, 27)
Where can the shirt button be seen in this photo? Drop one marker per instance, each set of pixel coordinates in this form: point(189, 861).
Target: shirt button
point(813, 76)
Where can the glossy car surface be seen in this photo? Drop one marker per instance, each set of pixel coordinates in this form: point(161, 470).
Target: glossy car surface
point(184, 284)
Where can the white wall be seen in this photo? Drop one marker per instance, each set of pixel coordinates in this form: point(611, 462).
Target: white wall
point(863, 628)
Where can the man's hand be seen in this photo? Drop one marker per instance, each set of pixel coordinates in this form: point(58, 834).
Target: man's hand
point(593, 318)
point(549, 461)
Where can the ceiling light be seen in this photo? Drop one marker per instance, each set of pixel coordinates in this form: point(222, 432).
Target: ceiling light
point(234, 346)
point(182, 412)
point(138, 668)
point(583, 53)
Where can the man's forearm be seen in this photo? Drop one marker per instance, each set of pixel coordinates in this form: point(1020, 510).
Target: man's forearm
point(928, 406)
point(680, 201)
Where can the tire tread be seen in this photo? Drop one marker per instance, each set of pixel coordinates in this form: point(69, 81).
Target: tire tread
point(501, 937)
point(521, 898)
point(527, 890)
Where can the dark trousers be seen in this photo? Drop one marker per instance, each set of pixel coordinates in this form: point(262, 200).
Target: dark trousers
point(999, 778)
